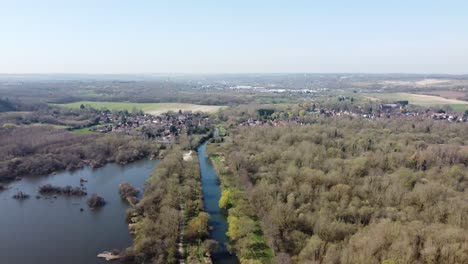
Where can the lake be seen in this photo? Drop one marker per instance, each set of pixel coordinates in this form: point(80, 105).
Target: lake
point(55, 230)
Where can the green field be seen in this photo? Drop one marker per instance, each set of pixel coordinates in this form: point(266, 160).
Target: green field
point(48, 125)
point(14, 113)
point(151, 108)
point(82, 131)
point(421, 99)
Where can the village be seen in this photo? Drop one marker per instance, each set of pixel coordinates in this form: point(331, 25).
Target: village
point(384, 111)
point(164, 128)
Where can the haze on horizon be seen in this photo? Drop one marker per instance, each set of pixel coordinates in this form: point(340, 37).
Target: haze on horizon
point(118, 37)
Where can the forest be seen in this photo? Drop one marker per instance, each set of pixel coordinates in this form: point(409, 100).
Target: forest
point(36, 92)
point(40, 150)
point(348, 190)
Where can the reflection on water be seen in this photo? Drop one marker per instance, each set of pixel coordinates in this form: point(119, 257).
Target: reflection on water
point(55, 230)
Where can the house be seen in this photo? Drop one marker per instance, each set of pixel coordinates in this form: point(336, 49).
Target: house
point(389, 107)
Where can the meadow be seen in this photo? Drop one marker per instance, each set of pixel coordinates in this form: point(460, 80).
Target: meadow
point(46, 125)
point(151, 108)
point(421, 100)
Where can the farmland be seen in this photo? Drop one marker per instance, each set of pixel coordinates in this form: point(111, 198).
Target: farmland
point(151, 108)
point(448, 94)
point(420, 99)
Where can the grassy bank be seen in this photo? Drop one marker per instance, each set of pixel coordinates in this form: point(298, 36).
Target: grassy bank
point(244, 229)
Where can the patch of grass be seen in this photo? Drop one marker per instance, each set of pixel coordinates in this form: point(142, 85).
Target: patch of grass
point(459, 107)
point(151, 108)
point(86, 130)
point(421, 100)
point(259, 248)
point(82, 131)
point(216, 158)
point(14, 113)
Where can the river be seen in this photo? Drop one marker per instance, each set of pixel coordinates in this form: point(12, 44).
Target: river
point(44, 231)
point(211, 194)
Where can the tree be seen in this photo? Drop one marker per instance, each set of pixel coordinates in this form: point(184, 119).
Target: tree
point(209, 246)
point(226, 199)
point(240, 227)
point(197, 228)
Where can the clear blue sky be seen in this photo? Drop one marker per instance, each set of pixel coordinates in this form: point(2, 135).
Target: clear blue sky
point(111, 36)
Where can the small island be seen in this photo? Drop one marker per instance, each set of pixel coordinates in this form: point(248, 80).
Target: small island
point(96, 201)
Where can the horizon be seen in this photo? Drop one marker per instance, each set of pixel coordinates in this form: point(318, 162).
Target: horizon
point(163, 74)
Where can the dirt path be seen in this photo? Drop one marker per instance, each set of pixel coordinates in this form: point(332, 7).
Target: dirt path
point(180, 243)
point(188, 156)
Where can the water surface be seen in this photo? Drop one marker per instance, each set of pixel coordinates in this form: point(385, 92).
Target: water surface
point(211, 194)
point(49, 231)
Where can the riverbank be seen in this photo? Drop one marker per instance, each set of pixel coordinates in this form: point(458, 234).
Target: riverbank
point(244, 232)
point(93, 164)
point(211, 195)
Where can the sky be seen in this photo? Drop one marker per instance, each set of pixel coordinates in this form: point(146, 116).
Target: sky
point(239, 36)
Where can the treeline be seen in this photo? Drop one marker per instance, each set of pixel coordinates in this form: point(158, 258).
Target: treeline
point(171, 209)
point(346, 190)
point(33, 92)
point(6, 105)
point(306, 111)
point(41, 150)
point(45, 114)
